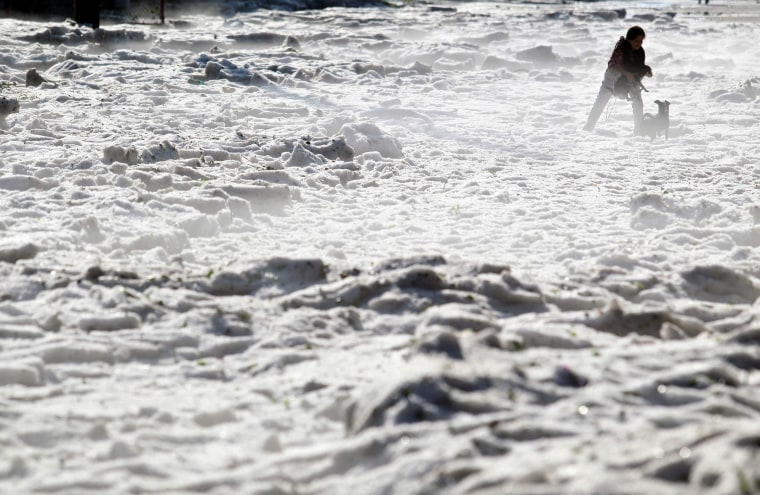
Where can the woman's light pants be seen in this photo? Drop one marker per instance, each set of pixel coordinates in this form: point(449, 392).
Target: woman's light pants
point(607, 91)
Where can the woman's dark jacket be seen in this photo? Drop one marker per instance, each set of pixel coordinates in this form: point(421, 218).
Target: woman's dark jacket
point(625, 57)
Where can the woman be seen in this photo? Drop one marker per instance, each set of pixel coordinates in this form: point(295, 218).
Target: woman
point(623, 77)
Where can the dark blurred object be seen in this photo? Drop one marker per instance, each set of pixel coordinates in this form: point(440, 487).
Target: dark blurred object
point(565, 377)
point(83, 11)
point(28, 8)
point(33, 78)
point(87, 12)
point(36, 7)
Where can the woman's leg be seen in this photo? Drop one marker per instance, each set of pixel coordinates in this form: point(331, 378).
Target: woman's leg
point(606, 91)
point(602, 98)
point(638, 111)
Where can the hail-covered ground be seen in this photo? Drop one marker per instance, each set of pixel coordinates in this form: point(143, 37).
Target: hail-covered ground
point(371, 251)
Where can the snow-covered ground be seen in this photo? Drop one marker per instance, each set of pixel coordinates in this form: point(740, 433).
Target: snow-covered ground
point(372, 251)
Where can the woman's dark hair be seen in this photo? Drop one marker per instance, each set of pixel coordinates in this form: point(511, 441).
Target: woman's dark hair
point(634, 33)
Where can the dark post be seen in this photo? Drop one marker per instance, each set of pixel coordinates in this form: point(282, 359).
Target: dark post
point(163, 12)
point(87, 12)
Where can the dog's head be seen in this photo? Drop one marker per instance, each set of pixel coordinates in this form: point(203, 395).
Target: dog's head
point(664, 106)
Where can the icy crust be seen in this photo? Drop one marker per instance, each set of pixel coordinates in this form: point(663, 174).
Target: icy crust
point(73, 35)
point(470, 372)
point(202, 192)
point(208, 279)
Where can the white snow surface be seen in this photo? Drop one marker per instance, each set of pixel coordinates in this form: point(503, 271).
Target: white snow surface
point(371, 251)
